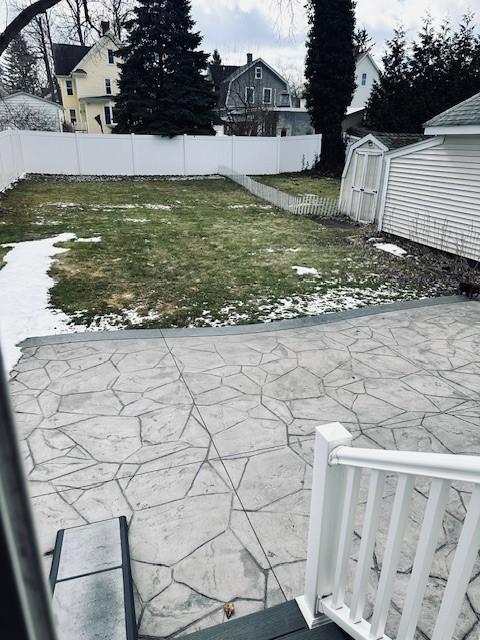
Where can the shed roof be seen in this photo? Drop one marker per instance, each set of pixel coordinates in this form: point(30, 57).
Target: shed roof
point(67, 56)
point(463, 114)
point(390, 140)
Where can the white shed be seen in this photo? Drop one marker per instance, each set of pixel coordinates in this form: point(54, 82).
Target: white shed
point(22, 110)
point(431, 190)
point(363, 172)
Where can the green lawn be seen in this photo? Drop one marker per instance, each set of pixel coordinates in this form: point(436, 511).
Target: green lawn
point(302, 183)
point(195, 252)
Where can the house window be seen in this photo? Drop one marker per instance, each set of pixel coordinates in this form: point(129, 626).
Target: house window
point(258, 73)
point(108, 87)
point(69, 85)
point(249, 95)
point(111, 59)
point(364, 79)
point(73, 116)
point(110, 113)
point(284, 100)
point(267, 96)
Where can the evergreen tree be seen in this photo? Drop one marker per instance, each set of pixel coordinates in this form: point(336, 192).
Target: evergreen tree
point(386, 108)
point(162, 89)
point(330, 75)
point(428, 70)
point(21, 69)
point(464, 67)
point(441, 70)
point(362, 42)
point(216, 58)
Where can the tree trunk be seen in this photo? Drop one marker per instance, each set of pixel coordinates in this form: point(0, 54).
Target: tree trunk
point(332, 159)
point(46, 57)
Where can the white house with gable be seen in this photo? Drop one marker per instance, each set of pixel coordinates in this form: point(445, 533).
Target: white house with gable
point(22, 110)
point(366, 74)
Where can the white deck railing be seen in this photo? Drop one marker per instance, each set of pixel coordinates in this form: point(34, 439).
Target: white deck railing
point(336, 482)
point(305, 205)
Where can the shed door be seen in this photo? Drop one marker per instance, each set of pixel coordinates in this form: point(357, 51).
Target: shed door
point(366, 182)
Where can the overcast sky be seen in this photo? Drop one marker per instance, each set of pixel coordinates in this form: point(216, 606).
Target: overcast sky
point(276, 29)
point(269, 30)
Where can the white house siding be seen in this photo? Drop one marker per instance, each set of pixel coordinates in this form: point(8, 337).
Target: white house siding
point(49, 113)
point(362, 92)
point(432, 196)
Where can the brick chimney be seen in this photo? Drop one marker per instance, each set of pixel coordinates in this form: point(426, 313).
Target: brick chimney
point(249, 58)
point(104, 26)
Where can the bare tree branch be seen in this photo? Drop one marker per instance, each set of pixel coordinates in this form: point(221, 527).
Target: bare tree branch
point(22, 19)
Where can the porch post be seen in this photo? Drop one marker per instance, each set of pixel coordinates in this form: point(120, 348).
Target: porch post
point(328, 488)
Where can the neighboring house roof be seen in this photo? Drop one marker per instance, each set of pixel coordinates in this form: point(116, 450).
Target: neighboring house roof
point(248, 66)
point(7, 98)
point(467, 113)
point(220, 72)
point(67, 56)
point(389, 140)
point(99, 43)
point(367, 54)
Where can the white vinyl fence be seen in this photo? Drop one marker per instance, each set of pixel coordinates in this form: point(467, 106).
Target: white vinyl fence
point(337, 473)
point(306, 205)
point(11, 159)
point(137, 155)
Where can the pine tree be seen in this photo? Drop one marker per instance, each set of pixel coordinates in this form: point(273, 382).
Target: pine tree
point(442, 70)
point(464, 61)
point(162, 89)
point(362, 41)
point(21, 69)
point(216, 58)
point(427, 72)
point(330, 75)
point(387, 108)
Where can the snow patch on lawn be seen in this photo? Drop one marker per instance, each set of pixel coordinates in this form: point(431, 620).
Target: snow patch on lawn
point(333, 300)
point(121, 320)
point(24, 286)
point(61, 205)
point(163, 207)
point(252, 205)
point(186, 178)
point(92, 239)
point(142, 220)
point(390, 248)
point(306, 271)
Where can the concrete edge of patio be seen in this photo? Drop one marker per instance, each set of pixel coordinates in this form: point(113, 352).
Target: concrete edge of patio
point(277, 325)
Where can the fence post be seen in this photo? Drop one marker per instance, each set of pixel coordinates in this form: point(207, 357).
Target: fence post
point(279, 151)
point(328, 489)
point(232, 159)
point(132, 140)
point(77, 151)
point(184, 154)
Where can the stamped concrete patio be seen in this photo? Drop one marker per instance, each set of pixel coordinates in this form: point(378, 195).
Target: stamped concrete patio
point(204, 442)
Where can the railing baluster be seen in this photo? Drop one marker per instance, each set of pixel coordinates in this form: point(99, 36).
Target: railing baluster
point(396, 531)
point(346, 535)
point(460, 572)
point(427, 543)
point(374, 502)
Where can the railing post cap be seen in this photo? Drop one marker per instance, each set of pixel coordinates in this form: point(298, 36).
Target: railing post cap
point(334, 434)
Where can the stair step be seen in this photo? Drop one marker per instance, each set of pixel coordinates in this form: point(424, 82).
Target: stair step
point(92, 583)
point(281, 621)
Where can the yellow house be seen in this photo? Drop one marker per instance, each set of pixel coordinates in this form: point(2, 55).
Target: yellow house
point(88, 80)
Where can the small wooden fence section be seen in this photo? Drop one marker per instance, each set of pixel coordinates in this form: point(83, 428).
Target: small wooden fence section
point(307, 205)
